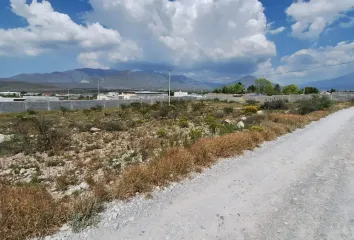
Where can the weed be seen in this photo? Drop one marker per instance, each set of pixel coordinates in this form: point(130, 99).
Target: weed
point(195, 134)
point(250, 109)
point(161, 133)
point(275, 105)
point(252, 102)
point(228, 110)
point(183, 122)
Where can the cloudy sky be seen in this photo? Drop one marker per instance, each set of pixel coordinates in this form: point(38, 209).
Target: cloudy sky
point(213, 40)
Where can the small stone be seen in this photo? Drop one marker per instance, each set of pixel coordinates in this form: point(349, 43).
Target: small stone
point(243, 118)
point(240, 125)
point(260, 112)
point(93, 129)
point(84, 185)
point(65, 227)
point(22, 171)
point(227, 121)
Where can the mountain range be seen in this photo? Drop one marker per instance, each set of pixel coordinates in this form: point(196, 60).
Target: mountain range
point(88, 78)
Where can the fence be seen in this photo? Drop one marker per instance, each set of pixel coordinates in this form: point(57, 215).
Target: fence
point(13, 107)
point(291, 98)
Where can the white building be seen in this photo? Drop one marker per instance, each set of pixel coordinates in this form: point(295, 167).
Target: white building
point(181, 94)
point(17, 94)
point(40, 98)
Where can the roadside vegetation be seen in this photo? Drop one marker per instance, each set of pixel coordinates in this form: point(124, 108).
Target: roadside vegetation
point(61, 167)
point(265, 87)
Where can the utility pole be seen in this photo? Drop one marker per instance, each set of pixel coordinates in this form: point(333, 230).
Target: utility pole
point(98, 86)
point(169, 87)
point(68, 91)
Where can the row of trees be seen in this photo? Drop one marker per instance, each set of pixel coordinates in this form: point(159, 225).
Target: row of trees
point(266, 87)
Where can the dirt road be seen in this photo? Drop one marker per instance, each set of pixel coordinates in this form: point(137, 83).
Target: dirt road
point(300, 186)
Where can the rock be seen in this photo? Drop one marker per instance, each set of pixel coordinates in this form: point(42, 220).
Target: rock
point(243, 118)
point(4, 138)
point(227, 121)
point(78, 188)
point(240, 125)
point(84, 185)
point(22, 171)
point(287, 112)
point(260, 112)
point(6, 172)
point(93, 129)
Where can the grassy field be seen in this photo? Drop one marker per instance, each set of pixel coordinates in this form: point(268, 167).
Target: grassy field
point(60, 167)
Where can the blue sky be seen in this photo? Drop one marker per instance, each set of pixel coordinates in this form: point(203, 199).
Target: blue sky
point(207, 40)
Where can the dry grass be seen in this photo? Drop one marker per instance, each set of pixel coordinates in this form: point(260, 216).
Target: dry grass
point(177, 163)
point(28, 212)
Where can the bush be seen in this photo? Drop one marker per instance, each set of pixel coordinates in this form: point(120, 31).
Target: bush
point(183, 122)
point(198, 106)
point(213, 124)
point(227, 128)
point(64, 110)
point(195, 134)
point(161, 133)
point(275, 105)
point(250, 109)
point(97, 108)
point(316, 103)
point(251, 102)
point(115, 126)
point(256, 128)
point(228, 110)
point(218, 114)
point(31, 112)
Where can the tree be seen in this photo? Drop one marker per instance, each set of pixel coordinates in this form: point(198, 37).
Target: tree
point(231, 89)
point(290, 89)
point(332, 90)
point(264, 86)
point(252, 89)
point(310, 90)
point(277, 89)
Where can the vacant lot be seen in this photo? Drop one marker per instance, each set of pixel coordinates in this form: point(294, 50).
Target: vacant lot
point(59, 167)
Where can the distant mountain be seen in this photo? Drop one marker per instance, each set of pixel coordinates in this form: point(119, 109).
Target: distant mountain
point(115, 79)
point(10, 85)
point(246, 81)
point(345, 82)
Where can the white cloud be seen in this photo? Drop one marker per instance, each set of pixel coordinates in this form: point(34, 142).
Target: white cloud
point(49, 30)
point(189, 33)
point(277, 30)
point(312, 17)
point(320, 60)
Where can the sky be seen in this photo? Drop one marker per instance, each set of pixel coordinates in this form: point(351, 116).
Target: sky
point(211, 40)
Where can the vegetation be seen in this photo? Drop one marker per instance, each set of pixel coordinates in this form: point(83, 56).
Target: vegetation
point(157, 144)
point(290, 89)
point(316, 103)
point(275, 105)
point(237, 88)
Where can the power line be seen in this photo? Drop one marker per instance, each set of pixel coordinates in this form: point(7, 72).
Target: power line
point(307, 69)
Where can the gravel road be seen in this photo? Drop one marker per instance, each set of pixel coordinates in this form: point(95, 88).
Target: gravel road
point(300, 186)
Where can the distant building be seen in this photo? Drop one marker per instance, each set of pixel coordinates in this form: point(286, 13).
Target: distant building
point(126, 95)
point(181, 94)
point(40, 98)
point(14, 94)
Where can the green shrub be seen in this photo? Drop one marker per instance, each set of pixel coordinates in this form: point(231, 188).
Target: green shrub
point(161, 133)
point(31, 112)
point(227, 128)
point(212, 123)
point(316, 103)
point(228, 110)
point(275, 105)
point(251, 102)
point(198, 106)
point(219, 114)
point(195, 134)
point(113, 126)
point(183, 122)
point(256, 128)
point(97, 108)
point(250, 109)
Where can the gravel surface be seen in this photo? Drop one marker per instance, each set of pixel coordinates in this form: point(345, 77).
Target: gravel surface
point(300, 186)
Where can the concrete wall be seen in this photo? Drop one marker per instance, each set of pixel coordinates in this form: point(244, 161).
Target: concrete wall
point(291, 98)
point(13, 107)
